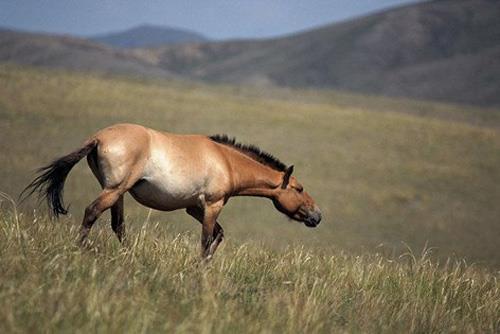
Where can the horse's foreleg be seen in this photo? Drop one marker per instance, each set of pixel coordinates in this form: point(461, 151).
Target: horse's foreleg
point(117, 219)
point(212, 234)
point(106, 199)
point(218, 236)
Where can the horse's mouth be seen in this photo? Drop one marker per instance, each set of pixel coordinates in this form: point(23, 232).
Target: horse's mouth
point(310, 223)
point(310, 219)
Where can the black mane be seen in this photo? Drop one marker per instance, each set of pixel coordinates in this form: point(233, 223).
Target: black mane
point(252, 151)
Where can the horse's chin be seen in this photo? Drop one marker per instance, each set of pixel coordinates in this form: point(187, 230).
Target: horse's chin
point(310, 224)
point(307, 222)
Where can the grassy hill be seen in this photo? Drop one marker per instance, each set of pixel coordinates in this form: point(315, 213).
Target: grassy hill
point(381, 177)
point(385, 173)
point(72, 53)
point(148, 36)
point(444, 50)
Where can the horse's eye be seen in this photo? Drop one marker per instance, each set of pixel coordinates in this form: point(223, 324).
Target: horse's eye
point(300, 189)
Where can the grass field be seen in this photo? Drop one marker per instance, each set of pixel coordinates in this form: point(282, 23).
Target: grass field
point(49, 284)
point(387, 174)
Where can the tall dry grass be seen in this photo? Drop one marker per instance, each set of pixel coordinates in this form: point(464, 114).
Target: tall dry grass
point(158, 284)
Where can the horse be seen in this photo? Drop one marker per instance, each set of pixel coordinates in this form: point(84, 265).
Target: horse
point(166, 171)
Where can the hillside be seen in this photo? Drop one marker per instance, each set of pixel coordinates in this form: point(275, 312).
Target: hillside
point(382, 179)
point(445, 50)
point(73, 54)
point(148, 36)
point(408, 241)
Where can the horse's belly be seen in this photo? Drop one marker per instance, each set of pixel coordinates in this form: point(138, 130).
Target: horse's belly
point(165, 197)
point(174, 177)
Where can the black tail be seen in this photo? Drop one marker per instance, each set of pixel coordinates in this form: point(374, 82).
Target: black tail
point(49, 184)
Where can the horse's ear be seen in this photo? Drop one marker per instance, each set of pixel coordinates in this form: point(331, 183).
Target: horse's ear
point(286, 177)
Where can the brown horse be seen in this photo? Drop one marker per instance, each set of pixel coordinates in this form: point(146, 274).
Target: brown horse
point(167, 172)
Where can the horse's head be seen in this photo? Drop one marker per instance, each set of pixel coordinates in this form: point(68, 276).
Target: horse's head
point(291, 199)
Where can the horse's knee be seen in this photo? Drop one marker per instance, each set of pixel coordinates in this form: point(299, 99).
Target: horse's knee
point(94, 210)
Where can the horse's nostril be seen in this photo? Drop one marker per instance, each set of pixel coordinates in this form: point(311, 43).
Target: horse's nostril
point(317, 216)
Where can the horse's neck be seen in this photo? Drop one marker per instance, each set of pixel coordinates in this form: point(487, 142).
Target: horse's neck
point(251, 178)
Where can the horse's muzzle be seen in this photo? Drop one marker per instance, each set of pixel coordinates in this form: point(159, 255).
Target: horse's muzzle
point(313, 218)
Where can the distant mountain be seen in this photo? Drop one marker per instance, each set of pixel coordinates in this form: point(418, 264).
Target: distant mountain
point(148, 36)
point(73, 54)
point(445, 50)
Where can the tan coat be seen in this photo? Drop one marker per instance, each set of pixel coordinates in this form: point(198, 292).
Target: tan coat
point(167, 172)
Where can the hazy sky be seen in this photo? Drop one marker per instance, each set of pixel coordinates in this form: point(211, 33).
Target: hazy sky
point(217, 19)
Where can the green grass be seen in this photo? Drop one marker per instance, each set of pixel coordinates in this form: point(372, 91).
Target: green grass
point(408, 176)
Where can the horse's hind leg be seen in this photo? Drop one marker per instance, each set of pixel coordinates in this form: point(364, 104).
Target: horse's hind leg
point(106, 200)
point(117, 219)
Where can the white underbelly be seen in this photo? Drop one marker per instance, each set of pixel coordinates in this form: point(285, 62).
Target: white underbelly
point(166, 198)
point(170, 182)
